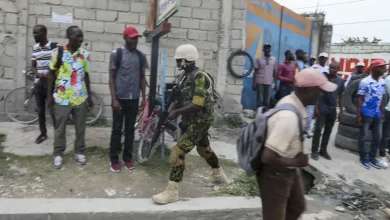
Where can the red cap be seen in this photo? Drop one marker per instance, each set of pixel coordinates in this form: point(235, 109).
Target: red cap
point(376, 63)
point(131, 32)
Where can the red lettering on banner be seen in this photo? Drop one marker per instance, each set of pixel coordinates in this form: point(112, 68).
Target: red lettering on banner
point(350, 67)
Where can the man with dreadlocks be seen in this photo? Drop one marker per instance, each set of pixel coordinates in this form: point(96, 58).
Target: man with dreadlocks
point(196, 107)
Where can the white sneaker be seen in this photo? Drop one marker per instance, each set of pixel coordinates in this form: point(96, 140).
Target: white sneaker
point(384, 162)
point(57, 162)
point(80, 159)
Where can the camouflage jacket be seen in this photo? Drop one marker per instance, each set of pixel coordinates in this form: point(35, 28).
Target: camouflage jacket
point(193, 87)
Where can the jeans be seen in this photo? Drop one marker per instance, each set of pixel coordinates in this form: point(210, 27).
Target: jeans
point(40, 99)
point(128, 114)
point(310, 112)
point(326, 121)
point(386, 135)
point(285, 91)
point(282, 193)
point(375, 124)
point(263, 95)
point(62, 113)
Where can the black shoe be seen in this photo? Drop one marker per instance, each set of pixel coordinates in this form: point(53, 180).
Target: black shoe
point(314, 156)
point(325, 155)
point(41, 138)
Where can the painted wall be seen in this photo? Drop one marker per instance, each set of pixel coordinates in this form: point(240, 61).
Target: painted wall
point(269, 22)
point(349, 56)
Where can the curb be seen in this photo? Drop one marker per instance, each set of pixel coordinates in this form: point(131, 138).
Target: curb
point(129, 209)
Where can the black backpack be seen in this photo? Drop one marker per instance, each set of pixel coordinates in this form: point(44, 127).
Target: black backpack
point(119, 55)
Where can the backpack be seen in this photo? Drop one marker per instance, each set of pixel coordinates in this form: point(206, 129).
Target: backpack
point(253, 137)
point(119, 55)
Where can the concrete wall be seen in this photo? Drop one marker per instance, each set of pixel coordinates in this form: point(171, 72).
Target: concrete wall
point(350, 55)
point(213, 26)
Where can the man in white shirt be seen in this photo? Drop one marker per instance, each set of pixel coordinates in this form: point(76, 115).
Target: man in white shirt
point(40, 60)
point(321, 66)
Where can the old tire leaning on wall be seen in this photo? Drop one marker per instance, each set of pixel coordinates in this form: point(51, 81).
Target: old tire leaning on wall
point(350, 98)
point(352, 132)
point(349, 143)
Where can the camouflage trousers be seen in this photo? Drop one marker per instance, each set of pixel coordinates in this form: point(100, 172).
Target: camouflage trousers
point(195, 134)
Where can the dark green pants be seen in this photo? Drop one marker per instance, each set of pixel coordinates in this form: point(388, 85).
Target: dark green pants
point(62, 113)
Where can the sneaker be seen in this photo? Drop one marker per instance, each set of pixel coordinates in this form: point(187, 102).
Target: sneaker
point(57, 162)
point(325, 155)
point(129, 165)
point(115, 167)
point(80, 159)
point(314, 156)
point(365, 164)
point(309, 134)
point(375, 163)
point(41, 138)
point(384, 162)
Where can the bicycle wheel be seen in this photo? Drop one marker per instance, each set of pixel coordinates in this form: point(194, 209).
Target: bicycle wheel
point(138, 120)
point(20, 106)
point(94, 113)
point(239, 64)
point(147, 148)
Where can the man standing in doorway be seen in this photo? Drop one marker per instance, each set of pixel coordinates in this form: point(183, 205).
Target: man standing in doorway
point(326, 114)
point(127, 79)
point(286, 73)
point(69, 76)
point(265, 71)
point(356, 75)
point(370, 113)
point(279, 180)
point(40, 61)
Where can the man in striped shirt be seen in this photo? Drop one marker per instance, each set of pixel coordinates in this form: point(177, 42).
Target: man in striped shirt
point(40, 60)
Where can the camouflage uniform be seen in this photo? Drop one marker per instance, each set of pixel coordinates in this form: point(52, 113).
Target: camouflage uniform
point(194, 126)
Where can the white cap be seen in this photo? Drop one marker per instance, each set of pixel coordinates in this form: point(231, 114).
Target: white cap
point(323, 54)
point(360, 64)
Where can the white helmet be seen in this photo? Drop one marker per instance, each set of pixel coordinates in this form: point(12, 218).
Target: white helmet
point(187, 51)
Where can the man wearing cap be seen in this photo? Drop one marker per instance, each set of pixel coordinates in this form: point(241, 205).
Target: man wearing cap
point(356, 75)
point(321, 66)
point(299, 54)
point(370, 113)
point(126, 81)
point(326, 114)
point(279, 180)
point(265, 71)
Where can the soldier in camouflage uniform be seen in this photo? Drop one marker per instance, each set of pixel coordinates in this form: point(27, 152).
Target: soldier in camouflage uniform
point(196, 107)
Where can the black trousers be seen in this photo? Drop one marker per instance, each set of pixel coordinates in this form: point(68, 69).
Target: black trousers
point(327, 122)
point(40, 99)
point(128, 115)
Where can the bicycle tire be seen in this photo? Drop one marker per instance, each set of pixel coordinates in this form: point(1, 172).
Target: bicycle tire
point(97, 104)
point(144, 135)
point(230, 67)
point(6, 107)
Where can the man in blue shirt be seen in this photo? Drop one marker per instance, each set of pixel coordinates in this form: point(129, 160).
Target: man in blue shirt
point(370, 112)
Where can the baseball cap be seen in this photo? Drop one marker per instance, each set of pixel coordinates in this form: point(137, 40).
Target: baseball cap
point(131, 32)
point(300, 51)
point(311, 77)
point(360, 64)
point(377, 63)
point(323, 54)
point(267, 45)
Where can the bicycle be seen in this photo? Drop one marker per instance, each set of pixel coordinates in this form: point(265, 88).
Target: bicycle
point(151, 129)
point(22, 100)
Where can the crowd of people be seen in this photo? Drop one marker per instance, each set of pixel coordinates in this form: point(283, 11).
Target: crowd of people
point(316, 90)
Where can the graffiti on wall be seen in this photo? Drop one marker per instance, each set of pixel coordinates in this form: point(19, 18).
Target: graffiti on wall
point(348, 62)
point(269, 22)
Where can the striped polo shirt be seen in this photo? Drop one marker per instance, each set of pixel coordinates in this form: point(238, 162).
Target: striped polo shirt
point(42, 56)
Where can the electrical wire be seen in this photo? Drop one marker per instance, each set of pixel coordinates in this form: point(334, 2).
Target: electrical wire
point(362, 22)
point(338, 3)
